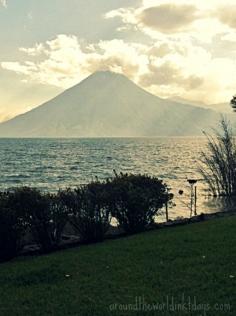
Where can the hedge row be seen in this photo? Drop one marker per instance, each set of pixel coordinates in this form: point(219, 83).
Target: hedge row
point(134, 200)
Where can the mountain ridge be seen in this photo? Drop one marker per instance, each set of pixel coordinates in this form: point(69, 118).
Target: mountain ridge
point(222, 107)
point(108, 104)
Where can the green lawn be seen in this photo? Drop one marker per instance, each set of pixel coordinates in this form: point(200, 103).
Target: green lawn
point(195, 262)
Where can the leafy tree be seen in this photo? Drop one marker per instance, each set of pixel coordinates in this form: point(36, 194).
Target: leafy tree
point(89, 210)
point(44, 214)
point(135, 200)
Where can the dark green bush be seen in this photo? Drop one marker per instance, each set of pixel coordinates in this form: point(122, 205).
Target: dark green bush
point(89, 211)
point(45, 215)
point(12, 228)
point(136, 199)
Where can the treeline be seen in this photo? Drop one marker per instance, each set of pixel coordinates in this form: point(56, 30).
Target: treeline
point(133, 200)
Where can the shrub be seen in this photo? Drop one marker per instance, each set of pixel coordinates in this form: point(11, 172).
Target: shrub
point(59, 217)
point(12, 227)
point(136, 199)
point(219, 161)
point(45, 215)
point(89, 211)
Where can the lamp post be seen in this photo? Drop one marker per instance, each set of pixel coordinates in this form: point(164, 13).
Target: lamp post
point(193, 196)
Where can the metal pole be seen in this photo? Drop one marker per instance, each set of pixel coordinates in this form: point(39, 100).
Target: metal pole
point(191, 201)
point(167, 215)
point(195, 201)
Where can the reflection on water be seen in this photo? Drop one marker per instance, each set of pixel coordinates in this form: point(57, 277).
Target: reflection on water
point(50, 164)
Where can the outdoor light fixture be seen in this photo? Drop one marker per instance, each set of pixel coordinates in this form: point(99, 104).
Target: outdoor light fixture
point(192, 181)
point(193, 196)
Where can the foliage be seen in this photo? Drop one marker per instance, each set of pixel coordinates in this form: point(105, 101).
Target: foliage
point(89, 210)
point(133, 199)
point(219, 161)
point(44, 213)
point(12, 227)
point(136, 199)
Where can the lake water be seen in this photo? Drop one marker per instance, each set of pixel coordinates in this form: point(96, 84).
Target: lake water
point(50, 164)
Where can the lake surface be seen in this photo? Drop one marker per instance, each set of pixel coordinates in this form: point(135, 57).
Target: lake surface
point(50, 164)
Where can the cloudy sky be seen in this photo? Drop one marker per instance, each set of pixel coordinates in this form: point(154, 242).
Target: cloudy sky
point(183, 48)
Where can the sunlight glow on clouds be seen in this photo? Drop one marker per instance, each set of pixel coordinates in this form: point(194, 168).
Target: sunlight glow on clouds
point(202, 4)
point(184, 18)
point(67, 61)
point(185, 51)
point(227, 15)
point(3, 3)
point(184, 59)
point(166, 68)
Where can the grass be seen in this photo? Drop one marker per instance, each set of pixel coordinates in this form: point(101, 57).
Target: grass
point(195, 262)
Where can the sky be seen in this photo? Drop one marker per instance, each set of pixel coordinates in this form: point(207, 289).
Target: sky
point(181, 48)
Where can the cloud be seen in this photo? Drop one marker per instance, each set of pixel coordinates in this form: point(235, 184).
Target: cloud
point(19, 68)
point(166, 67)
point(190, 42)
point(227, 15)
point(167, 74)
point(201, 4)
point(126, 14)
point(3, 3)
point(200, 20)
point(37, 50)
point(64, 61)
point(168, 18)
